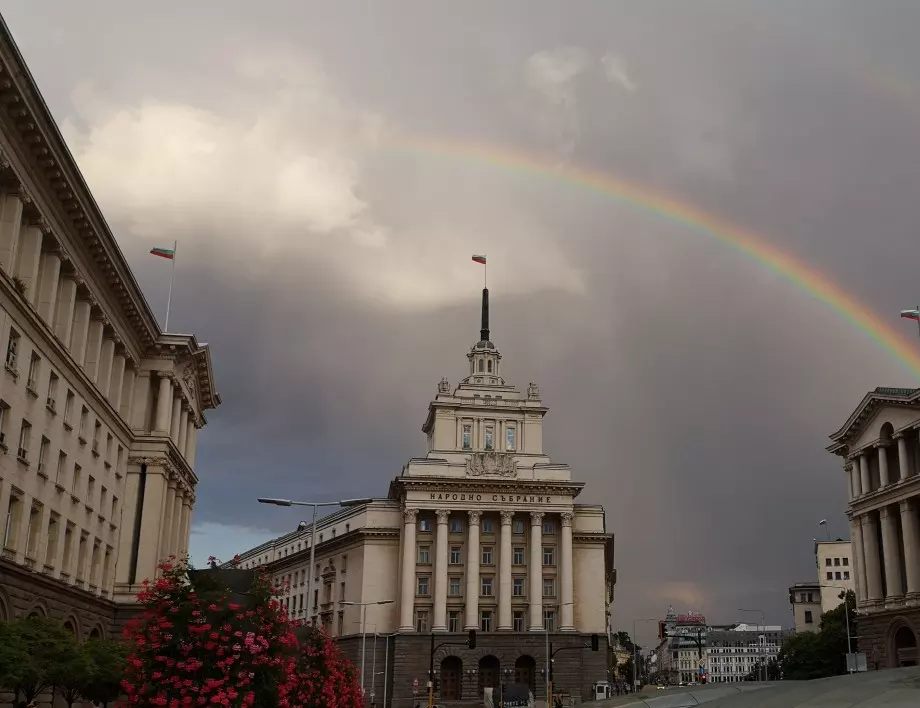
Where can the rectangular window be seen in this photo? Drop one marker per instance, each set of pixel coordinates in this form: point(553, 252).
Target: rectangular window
point(90, 490)
point(456, 524)
point(485, 621)
point(549, 620)
point(487, 555)
point(61, 465)
point(4, 417)
point(509, 439)
point(517, 526)
point(846, 575)
point(467, 441)
point(32, 379)
point(68, 409)
point(424, 525)
point(81, 431)
point(51, 543)
point(103, 498)
point(12, 350)
point(421, 621)
point(13, 513)
point(486, 584)
point(837, 575)
point(76, 482)
point(827, 561)
point(830, 575)
point(97, 430)
point(487, 526)
point(82, 551)
point(453, 621)
point(25, 435)
point(549, 527)
point(836, 561)
point(517, 557)
point(517, 587)
point(453, 587)
point(422, 586)
point(808, 619)
point(456, 555)
point(34, 531)
point(43, 450)
point(490, 435)
point(549, 556)
point(846, 561)
point(424, 554)
point(68, 548)
point(517, 621)
point(51, 401)
point(549, 587)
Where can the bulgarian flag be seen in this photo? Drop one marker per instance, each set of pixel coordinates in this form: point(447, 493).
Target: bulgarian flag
point(911, 314)
point(479, 259)
point(168, 253)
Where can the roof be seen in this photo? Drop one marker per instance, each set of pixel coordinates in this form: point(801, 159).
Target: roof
point(867, 408)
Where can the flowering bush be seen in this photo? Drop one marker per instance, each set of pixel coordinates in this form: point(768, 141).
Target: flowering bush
point(199, 643)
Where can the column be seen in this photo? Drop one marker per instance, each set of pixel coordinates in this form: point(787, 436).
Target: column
point(10, 224)
point(148, 554)
point(127, 392)
point(93, 347)
point(882, 465)
point(191, 443)
point(58, 560)
point(116, 380)
point(852, 471)
point(903, 460)
point(891, 549)
point(79, 335)
point(175, 541)
point(140, 403)
point(104, 370)
point(504, 573)
point(4, 509)
point(48, 287)
point(164, 403)
point(407, 585)
point(910, 530)
point(859, 562)
point(28, 260)
point(472, 572)
point(864, 481)
point(442, 560)
point(183, 428)
point(175, 417)
point(63, 317)
point(870, 553)
point(186, 523)
point(536, 571)
point(567, 571)
point(167, 530)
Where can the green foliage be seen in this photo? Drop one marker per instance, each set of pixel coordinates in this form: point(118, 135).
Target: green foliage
point(14, 655)
point(46, 643)
point(820, 654)
point(71, 672)
point(107, 660)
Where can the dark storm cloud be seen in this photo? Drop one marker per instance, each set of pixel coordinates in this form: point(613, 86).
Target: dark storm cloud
point(691, 388)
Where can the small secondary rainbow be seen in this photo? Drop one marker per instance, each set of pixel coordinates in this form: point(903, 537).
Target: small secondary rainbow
point(643, 198)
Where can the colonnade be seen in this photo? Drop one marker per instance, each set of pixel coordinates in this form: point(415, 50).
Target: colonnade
point(564, 575)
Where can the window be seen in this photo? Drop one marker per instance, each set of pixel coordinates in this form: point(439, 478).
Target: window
point(827, 561)
point(421, 621)
point(103, 498)
point(490, 434)
point(518, 526)
point(12, 350)
point(467, 439)
point(4, 416)
point(453, 587)
point(424, 554)
point(837, 575)
point(344, 561)
point(830, 575)
point(487, 555)
point(517, 587)
point(485, 621)
point(549, 620)
point(81, 431)
point(846, 575)
point(34, 531)
point(808, 619)
point(489, 366)
point(486, 585)
point(453, 621)
point(81, 556)
point(487, 526)
point(549, 587)
point(456, 524)
point(836, 561)
point(90, 490)
point(13, 513)
point(52, 391)
point(25, 435)
point(481, 365)
point(32, 379)
point(517, 557)
point(54, 526)
point(77, 473)
point(62, 462)
point(509, 439)
point(422, 586)
point(424, 525)
point(455, 555)
point(549, 555)
point(517, 621)
point(846, 561)
point(68, 410)
point(97, 430)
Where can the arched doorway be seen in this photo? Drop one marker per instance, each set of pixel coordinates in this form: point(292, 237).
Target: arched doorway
point(905, 647)
point(451, 679)
point(490, 671)
point(525, 671)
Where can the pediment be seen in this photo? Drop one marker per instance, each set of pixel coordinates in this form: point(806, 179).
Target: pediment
point(898, 406)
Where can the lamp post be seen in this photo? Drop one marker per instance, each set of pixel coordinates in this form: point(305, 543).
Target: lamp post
point(364, 606)
point(549, 659)
point(763, 628)
point(635, 660)
point(846, 615)
point(827, 531)
point(314, 505)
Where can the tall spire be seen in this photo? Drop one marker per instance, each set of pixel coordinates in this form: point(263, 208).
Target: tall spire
point(484, 332)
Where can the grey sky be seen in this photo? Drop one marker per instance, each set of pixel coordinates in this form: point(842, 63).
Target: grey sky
point(325, 243)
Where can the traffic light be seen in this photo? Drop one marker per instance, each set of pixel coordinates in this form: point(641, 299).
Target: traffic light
point(471, 642)
point(595, 642)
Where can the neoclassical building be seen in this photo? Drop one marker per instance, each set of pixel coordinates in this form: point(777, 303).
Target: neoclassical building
point(99, 409)
point(880, 445)
point(483, 532)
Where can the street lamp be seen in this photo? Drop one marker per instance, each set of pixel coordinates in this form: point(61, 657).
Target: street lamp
point(549, 659)
point(363, 606)
point(846, 615)
point(314, 505)
point(635, 660)
point(763, 627)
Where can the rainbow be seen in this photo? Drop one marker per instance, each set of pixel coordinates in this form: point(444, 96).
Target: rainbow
point(643, 198)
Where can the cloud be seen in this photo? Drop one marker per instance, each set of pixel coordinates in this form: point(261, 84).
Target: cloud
point(552, 75)
point(615, 72)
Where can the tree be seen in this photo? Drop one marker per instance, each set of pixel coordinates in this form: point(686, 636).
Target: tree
point(325, 676)
point(820, 654)
point(47, 645)
point(107, 661)
point(71, 672)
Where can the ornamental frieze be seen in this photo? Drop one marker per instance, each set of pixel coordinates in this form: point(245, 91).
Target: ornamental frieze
point(491, 464)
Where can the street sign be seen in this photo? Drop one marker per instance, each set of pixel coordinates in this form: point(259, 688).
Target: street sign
point(702, 663)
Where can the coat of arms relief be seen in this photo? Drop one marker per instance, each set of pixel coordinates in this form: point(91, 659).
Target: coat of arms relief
point(491, 464)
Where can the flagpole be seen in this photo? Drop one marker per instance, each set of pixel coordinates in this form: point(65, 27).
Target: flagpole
point(918, 320)
point(485, 273)
point(172, 279)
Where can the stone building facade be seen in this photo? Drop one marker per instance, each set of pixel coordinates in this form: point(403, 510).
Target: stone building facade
point(99, 409)
point(482, 533)
point(880, 445)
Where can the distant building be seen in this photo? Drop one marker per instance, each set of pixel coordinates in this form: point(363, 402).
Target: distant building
point(735, 651)
point(835, 573)
point(880, 446)
point(681, 651)
point(805, 599)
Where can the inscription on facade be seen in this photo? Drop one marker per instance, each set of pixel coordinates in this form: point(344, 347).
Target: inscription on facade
point(517, 498)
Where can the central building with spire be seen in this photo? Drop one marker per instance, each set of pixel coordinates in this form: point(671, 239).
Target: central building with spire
point(482, 533)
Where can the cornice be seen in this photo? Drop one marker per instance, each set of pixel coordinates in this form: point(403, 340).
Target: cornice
point(591, 537)
point(868, 407)
point(344, 542)
point(490, 484)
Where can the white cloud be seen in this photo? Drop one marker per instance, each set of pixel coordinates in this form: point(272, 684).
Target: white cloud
point(615, 71)
point(551, 73)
